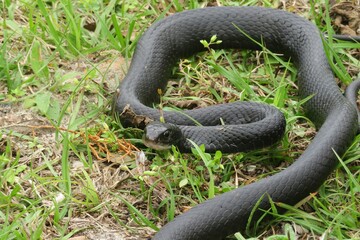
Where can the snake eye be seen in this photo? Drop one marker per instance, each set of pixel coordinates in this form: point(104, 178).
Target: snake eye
point(166, 135)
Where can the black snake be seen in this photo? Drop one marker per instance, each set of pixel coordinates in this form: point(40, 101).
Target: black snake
point(253, 124)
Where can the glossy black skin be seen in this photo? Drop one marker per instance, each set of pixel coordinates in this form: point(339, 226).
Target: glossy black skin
point(282, 32)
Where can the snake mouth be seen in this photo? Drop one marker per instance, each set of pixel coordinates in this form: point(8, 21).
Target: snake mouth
point(155, 144)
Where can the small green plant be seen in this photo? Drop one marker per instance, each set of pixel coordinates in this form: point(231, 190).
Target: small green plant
point(213, 41)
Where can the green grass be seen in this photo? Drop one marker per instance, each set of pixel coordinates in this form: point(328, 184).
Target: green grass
point(60, 63)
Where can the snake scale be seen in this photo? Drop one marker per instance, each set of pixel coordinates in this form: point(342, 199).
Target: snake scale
point(178, 36)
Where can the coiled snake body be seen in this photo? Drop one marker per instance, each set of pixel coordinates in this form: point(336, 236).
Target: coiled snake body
point(336, 118)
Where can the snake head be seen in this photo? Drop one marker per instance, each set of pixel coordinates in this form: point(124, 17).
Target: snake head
point(161, 136)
